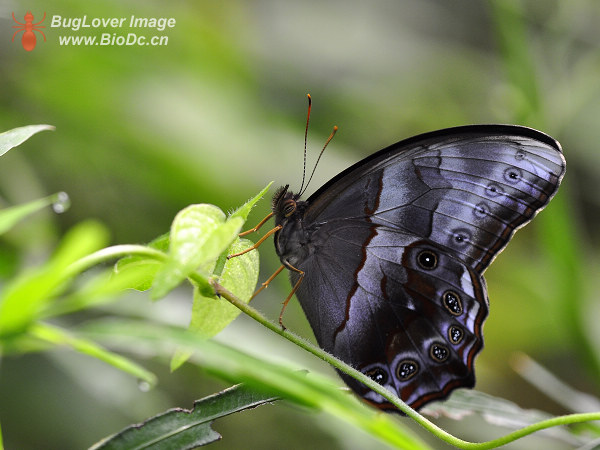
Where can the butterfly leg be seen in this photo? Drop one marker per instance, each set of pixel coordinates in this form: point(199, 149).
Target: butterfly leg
point(287, 300)
point(255, 246)
point(266, 283)
point(257, 227)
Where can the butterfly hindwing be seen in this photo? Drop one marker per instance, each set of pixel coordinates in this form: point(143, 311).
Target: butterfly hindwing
point(411, 326)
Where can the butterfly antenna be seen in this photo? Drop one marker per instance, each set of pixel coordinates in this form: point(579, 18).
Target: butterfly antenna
point(335, 128)
point(305, 136)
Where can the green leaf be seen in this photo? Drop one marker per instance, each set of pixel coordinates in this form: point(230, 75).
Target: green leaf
point(199, 234)
point(312, 390)
point(24, 298)
point(9, 217)
point(240, 275)
point(182, 428)
point(102, 288)
point(58, 336)
point(210, 315)
point(142, 270)
point(16, 136)
point(245, 209)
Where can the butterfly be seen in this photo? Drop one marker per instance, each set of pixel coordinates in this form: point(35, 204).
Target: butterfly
point(387, 258)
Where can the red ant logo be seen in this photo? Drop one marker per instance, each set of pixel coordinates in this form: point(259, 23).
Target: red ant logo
point(28, 27)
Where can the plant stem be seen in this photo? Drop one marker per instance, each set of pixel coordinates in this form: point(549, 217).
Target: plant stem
point(110, 253)
point(421, 420)
point(119, 251)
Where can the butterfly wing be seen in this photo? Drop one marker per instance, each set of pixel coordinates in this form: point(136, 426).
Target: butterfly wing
point(468, 188)
point(397, 246)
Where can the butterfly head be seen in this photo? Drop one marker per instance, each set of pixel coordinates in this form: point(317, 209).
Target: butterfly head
point(285, 204)
point(291, 238)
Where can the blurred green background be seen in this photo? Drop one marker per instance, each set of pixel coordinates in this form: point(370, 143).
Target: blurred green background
point(218, 112)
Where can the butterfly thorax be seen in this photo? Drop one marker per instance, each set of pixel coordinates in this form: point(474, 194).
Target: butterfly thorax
point(292, 241)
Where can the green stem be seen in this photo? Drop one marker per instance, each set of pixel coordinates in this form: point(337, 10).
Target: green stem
point(110, 253)
point(421, 420)
point(119, 251)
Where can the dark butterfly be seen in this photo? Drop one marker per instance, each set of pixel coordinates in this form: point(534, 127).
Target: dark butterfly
point(388, 256)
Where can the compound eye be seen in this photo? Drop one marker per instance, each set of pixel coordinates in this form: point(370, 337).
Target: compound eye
point(289, 207)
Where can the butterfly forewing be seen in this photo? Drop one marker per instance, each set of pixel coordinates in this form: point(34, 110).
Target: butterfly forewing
point(393, 250)
point(484, 188)
point(468, 188)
